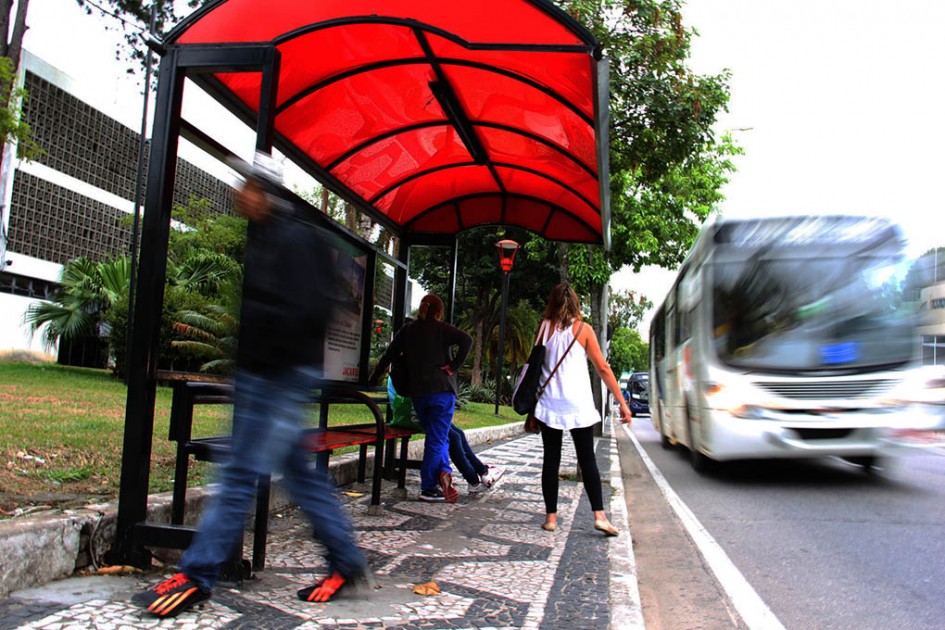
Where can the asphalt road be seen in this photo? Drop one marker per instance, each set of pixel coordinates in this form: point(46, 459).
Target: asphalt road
point(823, 544)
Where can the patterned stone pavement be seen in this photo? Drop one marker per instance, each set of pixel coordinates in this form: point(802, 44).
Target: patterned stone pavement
point(495, 567)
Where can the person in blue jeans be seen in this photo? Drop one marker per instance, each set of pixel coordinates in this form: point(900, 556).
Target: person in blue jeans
point(478, 475)
point(433, 350)
point(287, 305)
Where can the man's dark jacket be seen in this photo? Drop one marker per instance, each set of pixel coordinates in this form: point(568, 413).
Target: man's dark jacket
point(289, 282)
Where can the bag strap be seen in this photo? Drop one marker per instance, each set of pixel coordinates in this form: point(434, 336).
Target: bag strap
point(573, 339)
point(541, 332)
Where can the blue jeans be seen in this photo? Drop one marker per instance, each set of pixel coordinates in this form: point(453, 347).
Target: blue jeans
point(435, 414)
point(268, 424)
point(470, 467)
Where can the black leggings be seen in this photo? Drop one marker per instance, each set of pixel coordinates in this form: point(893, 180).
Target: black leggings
point(584, 448)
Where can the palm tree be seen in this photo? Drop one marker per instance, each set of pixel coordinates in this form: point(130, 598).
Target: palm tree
point(521, 322)
point(211, 336)
point(87, 290)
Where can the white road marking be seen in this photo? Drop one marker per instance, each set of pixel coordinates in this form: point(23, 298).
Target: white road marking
point(754, 612)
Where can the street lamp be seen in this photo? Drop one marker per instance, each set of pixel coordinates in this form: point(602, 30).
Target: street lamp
point(507, 251)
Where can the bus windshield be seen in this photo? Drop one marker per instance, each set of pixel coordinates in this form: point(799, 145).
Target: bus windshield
point(780, 312)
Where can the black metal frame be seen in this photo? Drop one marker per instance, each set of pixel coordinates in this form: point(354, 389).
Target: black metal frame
point(198, 63)
point(177, 64)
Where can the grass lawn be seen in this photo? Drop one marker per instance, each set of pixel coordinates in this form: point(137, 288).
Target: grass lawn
point(61, 434)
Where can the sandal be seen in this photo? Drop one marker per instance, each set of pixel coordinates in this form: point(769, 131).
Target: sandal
point(607, 528)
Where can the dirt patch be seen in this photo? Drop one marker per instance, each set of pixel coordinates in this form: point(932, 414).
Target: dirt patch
point(33, 479)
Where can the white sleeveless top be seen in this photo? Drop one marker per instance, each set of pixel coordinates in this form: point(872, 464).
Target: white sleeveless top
point(567, 402)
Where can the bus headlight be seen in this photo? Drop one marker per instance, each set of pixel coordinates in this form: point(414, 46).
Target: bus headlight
point(732, 400)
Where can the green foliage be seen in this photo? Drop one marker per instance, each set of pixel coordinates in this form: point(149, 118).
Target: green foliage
point(627, 310)
point(628, 352)
point(87, 291)
point(201, 226)
point(12, 126)
point(210, 335)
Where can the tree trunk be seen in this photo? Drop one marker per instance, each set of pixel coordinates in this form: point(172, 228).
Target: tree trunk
point(324, 200)
point(351, 217)
point(476, 377)
point(563, 262)
point(598, 318)
point(15, 46)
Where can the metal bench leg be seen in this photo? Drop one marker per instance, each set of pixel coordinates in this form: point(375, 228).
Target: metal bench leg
point(261, 523)
point(375, 508)
point(362, 462)
point(179, 500)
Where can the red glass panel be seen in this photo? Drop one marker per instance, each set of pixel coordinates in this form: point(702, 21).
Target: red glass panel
point(322, 54)
point(472, 20)
point(490, 97)
point(441, 220)
point(528, 184)
point(527, 213)
point(505, 146)
point(481, 211)
point(348, 113)
point(395, 159)
point(563, 227)
point(418, 195)
point(567, 74)
point(358, 110)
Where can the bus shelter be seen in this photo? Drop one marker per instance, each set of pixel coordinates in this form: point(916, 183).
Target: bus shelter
point(429, 117)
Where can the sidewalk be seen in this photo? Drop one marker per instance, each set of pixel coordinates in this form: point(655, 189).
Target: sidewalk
point(495, 566)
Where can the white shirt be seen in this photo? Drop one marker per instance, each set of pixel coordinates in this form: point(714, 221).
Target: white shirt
point(567, 402)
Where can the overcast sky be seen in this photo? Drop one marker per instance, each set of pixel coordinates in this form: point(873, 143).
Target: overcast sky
point(842, 105)
point(840, 101)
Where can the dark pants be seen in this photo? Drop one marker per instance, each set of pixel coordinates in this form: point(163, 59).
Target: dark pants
point(584, 448)
point(462, 455)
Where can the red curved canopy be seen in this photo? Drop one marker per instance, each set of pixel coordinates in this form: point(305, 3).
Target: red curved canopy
point(433, 116)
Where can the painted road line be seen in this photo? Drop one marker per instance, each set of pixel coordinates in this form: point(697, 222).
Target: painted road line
point(752, 609)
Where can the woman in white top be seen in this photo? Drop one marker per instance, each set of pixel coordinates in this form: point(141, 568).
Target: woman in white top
point(568, 404)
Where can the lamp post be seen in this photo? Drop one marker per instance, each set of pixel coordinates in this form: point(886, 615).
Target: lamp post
point(507, 251)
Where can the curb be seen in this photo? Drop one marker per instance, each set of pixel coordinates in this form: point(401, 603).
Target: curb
point(36, 550)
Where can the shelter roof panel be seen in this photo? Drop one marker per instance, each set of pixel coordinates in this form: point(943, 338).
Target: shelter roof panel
point(411, 108)
point(484, 21)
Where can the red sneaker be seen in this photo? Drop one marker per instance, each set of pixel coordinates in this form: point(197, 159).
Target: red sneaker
point(172, 596)
point(450, 493)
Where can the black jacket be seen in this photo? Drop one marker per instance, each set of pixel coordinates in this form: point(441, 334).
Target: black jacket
point(428, 344)
point(288, 283)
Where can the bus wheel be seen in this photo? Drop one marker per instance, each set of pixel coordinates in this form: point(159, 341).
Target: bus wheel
point(665, 442)
point(700, 463)
point(871, 464)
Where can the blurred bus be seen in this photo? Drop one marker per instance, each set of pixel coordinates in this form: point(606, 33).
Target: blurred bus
point(787, 337)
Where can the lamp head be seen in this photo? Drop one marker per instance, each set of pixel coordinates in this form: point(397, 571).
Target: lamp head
point(507, 249)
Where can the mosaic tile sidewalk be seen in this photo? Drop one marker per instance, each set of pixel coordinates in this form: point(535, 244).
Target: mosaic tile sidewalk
point(495, 566)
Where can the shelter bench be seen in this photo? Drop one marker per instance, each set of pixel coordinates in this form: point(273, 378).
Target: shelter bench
point(190, 390)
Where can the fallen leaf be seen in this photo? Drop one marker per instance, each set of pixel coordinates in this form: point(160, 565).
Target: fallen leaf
point(351, 493)
point(118, 569)
point(430, 588)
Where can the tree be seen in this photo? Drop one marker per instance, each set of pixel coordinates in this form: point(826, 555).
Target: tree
point(666, 166)
point(88, 290)
point(628, 352)
point(478, 283)
point(627, 310)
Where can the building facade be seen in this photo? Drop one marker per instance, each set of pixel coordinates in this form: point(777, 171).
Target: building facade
point(932, 308)
point(77, 198)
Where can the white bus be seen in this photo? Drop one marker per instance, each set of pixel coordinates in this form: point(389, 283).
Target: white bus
point(787, 338)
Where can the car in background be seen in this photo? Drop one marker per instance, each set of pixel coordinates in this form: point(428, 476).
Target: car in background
point(637, 393)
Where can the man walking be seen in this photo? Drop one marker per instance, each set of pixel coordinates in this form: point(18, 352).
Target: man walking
point(288, 284)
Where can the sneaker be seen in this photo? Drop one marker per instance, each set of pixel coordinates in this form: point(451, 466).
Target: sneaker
point(491, 475)
point(359, 585)
point(432, 495)
point(450, 493)
point(172, 596)
point(477, 488)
